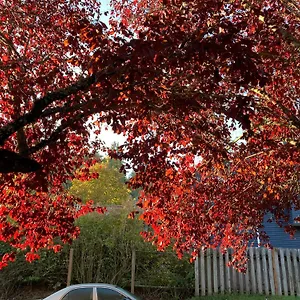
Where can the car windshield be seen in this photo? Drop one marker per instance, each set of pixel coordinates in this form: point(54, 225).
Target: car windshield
point(132, 295)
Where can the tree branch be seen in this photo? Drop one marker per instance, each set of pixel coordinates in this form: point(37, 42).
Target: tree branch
point(38, 107)
point(55, 135)
point(68, 108)
point(290, 117)
point(9, 43)
point(13, 162)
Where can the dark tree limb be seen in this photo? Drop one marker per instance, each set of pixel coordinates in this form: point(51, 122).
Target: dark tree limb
point(30, 117)
point(13, 162)
point(56, 134)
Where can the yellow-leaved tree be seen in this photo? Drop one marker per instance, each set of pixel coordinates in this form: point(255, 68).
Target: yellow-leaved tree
point(108, 189)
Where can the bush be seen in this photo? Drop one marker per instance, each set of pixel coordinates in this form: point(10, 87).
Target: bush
point(163, 269)
point(50, 271)
point(103, 251)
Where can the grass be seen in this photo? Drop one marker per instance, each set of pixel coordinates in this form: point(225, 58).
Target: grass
point(243, 297)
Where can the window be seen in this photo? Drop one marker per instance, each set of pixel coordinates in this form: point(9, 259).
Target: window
point(108, 294)
point(79, 294)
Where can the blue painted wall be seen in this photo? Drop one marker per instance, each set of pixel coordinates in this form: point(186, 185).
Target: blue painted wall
point(278, 237)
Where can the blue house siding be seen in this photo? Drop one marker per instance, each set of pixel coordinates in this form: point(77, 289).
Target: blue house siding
point(278, 237)
point(294, 214)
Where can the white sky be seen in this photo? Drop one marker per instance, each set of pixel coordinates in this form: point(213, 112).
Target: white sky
point(109, 137)
point(105, 7)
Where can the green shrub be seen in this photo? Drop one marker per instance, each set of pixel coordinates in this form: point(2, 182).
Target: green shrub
point(50, 271)
point(163, 269)
point(103, 251)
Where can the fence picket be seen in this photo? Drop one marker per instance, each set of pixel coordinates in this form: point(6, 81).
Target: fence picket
point(278, 283)
point(234, 279)
point(215, 270)
point(296, 265)
point(283, 272)
point(197, 276)
point(208, 270)
point(252, 271)
point(271, 273)
point(202, 271)
point(241, 282)
point(265, 272)
point(222, 273)
point(233, 276)
point(247, 277)
point(258, 270)
point(290, 272)
point(228, 277)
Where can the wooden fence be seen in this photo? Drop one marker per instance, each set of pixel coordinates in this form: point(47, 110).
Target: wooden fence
point(269, 272)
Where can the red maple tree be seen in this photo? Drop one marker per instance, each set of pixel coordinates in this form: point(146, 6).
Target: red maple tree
point(177, 77)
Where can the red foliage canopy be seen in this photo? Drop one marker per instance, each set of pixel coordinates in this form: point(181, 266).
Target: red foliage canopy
point(178, 77)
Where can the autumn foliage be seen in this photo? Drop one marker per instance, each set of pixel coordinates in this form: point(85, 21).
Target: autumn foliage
point(177, 77)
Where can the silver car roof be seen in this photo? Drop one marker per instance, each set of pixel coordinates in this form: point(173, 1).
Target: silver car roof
point(58, 294)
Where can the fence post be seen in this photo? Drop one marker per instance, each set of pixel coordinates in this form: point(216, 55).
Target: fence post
point(133, 261)
point(197, 277)
point(70, 268)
